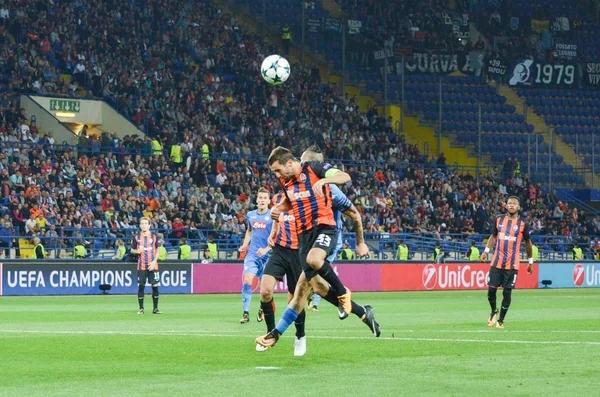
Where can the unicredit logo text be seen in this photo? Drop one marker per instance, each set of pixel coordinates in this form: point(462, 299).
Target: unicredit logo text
point(453, 277)
point(587, 276)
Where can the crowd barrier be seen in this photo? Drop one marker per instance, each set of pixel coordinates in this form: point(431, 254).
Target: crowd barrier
point(85, 278)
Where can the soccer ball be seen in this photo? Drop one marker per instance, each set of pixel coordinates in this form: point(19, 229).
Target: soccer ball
point(275, 69)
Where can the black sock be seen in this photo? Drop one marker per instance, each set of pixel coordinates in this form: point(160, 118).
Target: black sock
point(331, 297)
point(329, 275)
point(492, 298)
point(505, 303)
point(358, 310)
point(141, 296)
point(155, 297)
point(299, 323)
point(268, 309)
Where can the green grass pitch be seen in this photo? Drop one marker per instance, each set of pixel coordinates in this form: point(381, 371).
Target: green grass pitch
point(433, 343)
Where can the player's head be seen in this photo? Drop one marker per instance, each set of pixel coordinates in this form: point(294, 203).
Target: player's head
point(144, 224)
point(313, 153)
point(262, 199)
point(513, 205)
point(281, 161)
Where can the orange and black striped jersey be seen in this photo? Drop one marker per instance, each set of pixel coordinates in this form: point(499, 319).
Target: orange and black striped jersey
point(287, 233)
point(147, 245)
point(309, 209)
point(509, 233)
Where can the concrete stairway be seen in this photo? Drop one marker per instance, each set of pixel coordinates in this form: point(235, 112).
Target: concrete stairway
point(540, 127)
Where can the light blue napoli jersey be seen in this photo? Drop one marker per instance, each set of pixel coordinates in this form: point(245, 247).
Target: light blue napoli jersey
point(260, 225)
point(340, 204)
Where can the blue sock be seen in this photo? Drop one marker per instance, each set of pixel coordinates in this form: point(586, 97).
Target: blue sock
point(316, 301)
point(289, 316)
point(246, 297)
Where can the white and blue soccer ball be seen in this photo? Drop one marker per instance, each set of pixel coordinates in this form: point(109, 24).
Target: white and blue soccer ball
point(275, 69)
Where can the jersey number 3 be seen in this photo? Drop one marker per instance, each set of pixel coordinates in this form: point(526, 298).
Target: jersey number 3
point(324, 240)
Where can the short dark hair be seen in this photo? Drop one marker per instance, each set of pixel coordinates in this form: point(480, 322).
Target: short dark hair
point(281, 155)
point(514, 197)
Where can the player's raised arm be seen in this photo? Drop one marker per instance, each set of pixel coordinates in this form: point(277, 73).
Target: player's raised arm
point(328, 174)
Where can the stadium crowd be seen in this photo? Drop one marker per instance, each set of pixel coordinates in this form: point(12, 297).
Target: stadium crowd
point(192, 83)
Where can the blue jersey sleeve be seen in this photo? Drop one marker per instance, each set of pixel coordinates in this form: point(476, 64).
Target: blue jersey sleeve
point(340, 201)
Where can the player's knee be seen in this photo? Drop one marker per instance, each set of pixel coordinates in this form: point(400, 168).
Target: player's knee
point(155, 289)
point(266, 293)
point(314, 260)
point(248, 278)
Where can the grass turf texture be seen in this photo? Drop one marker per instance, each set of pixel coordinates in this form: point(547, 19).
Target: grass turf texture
point(433, 343)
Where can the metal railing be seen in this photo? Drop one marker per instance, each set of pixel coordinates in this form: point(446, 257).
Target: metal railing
point(100, 244)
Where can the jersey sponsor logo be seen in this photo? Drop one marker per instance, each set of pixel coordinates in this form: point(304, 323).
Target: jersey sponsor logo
point(259, 225)
point(504, 237)
point(289, 218)
point(302, 177)
point(453, 277)
point(300, 195)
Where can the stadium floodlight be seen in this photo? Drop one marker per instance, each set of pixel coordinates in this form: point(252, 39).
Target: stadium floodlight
point(104, 288)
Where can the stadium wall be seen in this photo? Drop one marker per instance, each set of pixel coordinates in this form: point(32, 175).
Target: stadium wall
point(85, 277)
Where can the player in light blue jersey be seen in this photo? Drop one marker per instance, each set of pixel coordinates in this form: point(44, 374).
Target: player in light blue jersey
point(257, 249)
point(342, 205)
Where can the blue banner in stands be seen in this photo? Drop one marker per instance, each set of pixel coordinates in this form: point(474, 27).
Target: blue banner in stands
point(534, 74)
point(85, 278)
point(440, 63)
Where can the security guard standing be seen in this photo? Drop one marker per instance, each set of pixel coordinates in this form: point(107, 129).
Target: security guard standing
point(577, 253)
point(402, 251)
point(162, 251)
point(438, 255)
point(535, 253)
point(212, 248)
point(121, 250)
point(38, 250)
point(157, 147)
point(176, 155)
point(205, 151)
point(346, 253)
point(185, 251)
point(286, 38)
point(473, 252)
point(79, 251)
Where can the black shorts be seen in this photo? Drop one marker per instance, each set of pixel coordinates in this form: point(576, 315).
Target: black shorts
point(320, 236)
point(153, 277)
point(504, 278)
point(284, 262)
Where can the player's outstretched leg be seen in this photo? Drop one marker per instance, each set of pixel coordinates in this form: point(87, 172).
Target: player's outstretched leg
point(506, 299)
point(492, 300)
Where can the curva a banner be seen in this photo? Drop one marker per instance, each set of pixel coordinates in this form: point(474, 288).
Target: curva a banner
point(529, 73)
point(440, 63)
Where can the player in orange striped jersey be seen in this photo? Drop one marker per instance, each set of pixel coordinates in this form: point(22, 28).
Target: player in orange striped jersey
point(145, 245)
point(508, 232)
point(309, 197)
